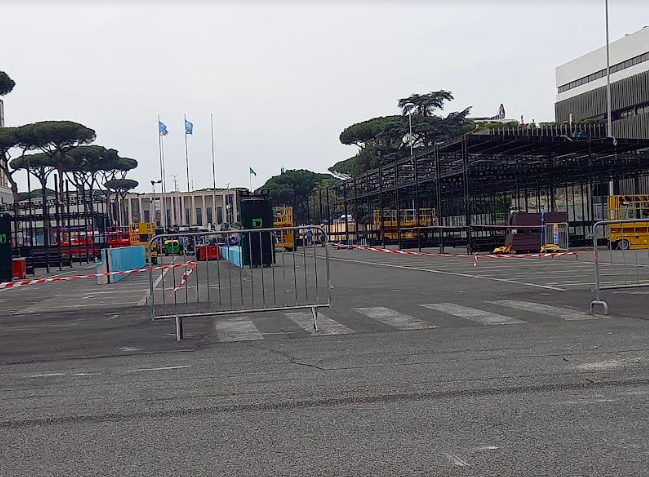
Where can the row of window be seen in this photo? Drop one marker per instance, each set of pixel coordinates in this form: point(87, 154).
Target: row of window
point(633, 111)
point(199, 216)
point(602, 73)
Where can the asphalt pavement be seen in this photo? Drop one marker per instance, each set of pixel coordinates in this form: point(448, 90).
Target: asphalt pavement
point(422, 366)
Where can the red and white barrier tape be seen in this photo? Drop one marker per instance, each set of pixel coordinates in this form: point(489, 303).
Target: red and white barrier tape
point(39, 281)
point(183, 280)
point(475, 257)
point(402, 252)
point(524, 255)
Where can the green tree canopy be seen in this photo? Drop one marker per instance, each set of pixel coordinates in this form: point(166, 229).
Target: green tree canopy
point(56, 139)
point(35, 193)
point(385, 139)
point(6, 83)
point(121, 186)
point(92, 158)
point(425, 104)
point(88, 162)
point(39, 164)
point(292, 187)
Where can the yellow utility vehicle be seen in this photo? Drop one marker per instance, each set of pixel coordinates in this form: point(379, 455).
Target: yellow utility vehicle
point(283, 217)
point(630, 235)
point(139, 234)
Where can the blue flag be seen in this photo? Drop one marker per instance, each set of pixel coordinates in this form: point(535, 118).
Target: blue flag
point(162, 128)
point(189, 127)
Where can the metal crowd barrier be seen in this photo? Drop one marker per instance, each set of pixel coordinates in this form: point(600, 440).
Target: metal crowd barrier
point(624, 261)
point(240, 271)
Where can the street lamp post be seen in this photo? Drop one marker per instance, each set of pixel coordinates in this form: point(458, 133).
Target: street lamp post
point(153, 183)
point(409, 107)
point(609, 114)
point(609, 119)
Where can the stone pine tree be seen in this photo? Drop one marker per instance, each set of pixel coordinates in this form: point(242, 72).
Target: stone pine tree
point(57, 138)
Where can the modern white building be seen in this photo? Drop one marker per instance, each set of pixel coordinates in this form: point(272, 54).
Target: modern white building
point(581, 86)
point(5, 192)
point(202, 208)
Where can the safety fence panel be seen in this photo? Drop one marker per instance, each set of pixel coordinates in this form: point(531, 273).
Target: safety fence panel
point(557, 235)
point(240, 271)
point(621, 255)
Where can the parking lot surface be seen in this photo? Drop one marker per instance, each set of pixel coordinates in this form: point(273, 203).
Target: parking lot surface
point(422, 366)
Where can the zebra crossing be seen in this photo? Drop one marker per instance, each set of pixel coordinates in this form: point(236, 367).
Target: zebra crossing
point(243, 328)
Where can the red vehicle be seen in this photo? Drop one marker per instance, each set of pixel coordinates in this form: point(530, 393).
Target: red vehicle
point(119, 237)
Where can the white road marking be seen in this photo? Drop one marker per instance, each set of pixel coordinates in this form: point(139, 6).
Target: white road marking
point(128, 348)
point(394, 318)
point(486, 448)
point(326, 326)
point(87, 374)
point(144, 298)
point(442, 272)
point(46, 375)
point(164, 368)
point(473, 314)
point(237, 329)
point(567, 314)
point(457, 461)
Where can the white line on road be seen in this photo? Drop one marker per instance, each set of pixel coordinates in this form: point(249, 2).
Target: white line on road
point(46, 375)
point(473, 314)
point(567, 314)
point(394, 318)
point(326, 326)
point(164, 368)
point(442, 272)
point(237, 329)
point(143, 300)
point(456, 461)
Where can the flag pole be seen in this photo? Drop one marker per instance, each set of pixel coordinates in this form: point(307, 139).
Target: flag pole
point(213, 171)
point(163, 186)
point(186, 154)
point(161, 151)
point(250, 175)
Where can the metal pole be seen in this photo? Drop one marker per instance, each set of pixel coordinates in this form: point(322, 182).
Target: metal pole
point(46, 228)
point(213, 172)
point(67, 204)
point(57, 218)
point(609, 114)
point(186, 154)
point(467, 197)
point(345, 209)
point(163, 187)
point(398, 200)
point(160, 151)
point(609, 119)
point(410, 124)
point(381, 213)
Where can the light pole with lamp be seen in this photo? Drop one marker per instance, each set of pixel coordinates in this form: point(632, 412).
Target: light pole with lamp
point(409, 107)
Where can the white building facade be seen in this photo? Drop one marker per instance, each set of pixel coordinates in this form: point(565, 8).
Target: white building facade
point(581, 86)
point(201, 208)
point(5, 192)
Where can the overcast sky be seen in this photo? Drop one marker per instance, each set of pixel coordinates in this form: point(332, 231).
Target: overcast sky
point(282, 79)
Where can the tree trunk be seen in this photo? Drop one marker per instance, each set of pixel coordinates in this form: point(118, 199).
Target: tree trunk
point(4, 167)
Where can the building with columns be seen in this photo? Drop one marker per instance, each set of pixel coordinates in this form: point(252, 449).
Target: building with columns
point(199, 208)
